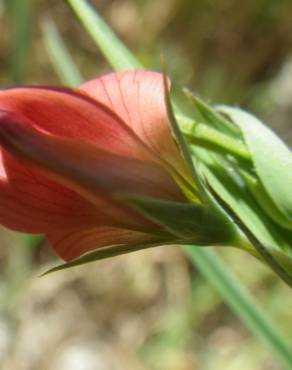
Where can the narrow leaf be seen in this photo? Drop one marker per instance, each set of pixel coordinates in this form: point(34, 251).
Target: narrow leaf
point(101, 253)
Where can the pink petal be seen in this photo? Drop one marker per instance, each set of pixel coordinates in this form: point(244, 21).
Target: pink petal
point(71, 114)
point(94, 173)
point(31, 202)
point(138, 98)
point(63, 113)
point(70, 244)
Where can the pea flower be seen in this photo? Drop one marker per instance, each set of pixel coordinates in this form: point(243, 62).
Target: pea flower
point(76, 165)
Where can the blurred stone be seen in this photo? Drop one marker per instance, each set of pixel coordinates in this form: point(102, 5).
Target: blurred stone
point(82, 356)
point(5, 339)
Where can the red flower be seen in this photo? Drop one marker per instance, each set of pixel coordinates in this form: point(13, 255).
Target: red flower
point(67, 155)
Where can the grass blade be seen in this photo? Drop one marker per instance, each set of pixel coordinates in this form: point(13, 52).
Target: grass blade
point(60, 57)
point(20, 28)
point(240, 301)
point(119, 57)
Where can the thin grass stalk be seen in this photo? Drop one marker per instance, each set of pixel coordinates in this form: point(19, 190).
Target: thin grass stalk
point(19, 13)
point(59, 55)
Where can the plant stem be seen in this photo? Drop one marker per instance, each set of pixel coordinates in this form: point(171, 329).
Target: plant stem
point(240, 300)
point(212, 139)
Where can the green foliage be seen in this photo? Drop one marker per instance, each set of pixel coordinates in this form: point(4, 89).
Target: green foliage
point(230, 161)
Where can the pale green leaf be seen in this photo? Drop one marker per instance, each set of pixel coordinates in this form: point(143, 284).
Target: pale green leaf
point(272, 158)
point(262, 197)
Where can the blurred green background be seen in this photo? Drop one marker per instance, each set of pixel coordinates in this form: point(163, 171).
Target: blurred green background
point(151, 309)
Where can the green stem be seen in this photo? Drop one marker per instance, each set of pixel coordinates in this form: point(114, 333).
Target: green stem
point(211, 138)
point(240, 301)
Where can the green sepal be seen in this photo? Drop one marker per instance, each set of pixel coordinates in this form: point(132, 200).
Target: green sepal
point(180, 219)
point(102, 253)
point(191, 223)
point(191, 186)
